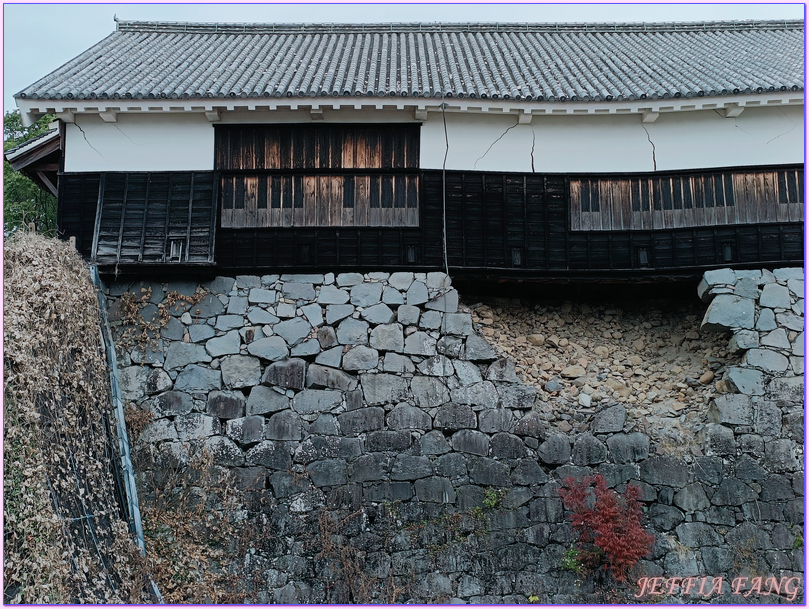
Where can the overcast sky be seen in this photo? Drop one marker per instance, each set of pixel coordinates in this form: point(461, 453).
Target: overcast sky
point(38, 38)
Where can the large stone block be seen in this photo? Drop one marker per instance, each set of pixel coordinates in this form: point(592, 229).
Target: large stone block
point(494, 420)
point(245, 430)
point(388, 441)
point(408, 467)
point(289, 374)
point(767, 360)
point(517, 396)
point(293, 330)
point(609, 420)
point(502, 371)
point(311, 401)
point(262, 296)
point(664, 470)
point(728, 312)
point(528, 472)
point(745, 380)
point(329, 378)
point(438, 365)
point(711, 279)
point(158, 431)
point(428, 391)
point(435, 489)
point(478, 350)
point(229, 322)
point(370, 467)
point(383, 389)
point(733, 492)
point(228, 344)
point(774, 296)
point(451, 465)
point(352, 332)
point(555, 450)
point(196, 378)
point(224, 451)
point(226, 404)
point(331, 295)
point(408, 315)
point(284, 425)
point(378, 314)
point(172, 403)
point(489, 472)
point(269, 453)
point(360, 357)
point(180, 354)
point(331, 472)
point(361, 420)
point(335, 313)
point(470, 441)
point(240, 371)
point(731, 409)
point(507, 446)
point(452, 417)
point(366, 294)
point(196, 426)
point(299, 291)
point(263, 400)
point(697, 534)
point(588, 450)
point(405, 416)
point(446, 303)
point(692, 499)
point(434, 443)
point(388, 337)
point(349, 279)
point(480, 394)
point(417, 293)
point(272, 348)
point(420, 343)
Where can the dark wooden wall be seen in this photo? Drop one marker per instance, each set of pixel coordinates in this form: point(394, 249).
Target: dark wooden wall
point(141, 214)
point(497, 223)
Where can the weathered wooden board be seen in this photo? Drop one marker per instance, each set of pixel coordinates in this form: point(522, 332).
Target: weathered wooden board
point(686, 201)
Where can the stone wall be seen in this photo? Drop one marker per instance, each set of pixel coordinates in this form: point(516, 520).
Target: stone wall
point(366, 412)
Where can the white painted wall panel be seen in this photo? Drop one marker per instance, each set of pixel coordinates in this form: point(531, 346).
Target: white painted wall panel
point(484, 142)
point(615, 143)
point(140, 142)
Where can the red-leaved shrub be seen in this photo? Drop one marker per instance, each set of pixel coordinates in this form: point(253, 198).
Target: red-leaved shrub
point(609, 525)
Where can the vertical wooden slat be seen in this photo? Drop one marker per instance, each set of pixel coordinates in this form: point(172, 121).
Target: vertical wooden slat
point(575, 205)
point(97, 225)
point(310, 192)
point(626, 204)
point(190, 216)
point(770, 200)
point(361, 200)
point(123, 218)
point(336, 204)
point(250, 200)
point(145, 214)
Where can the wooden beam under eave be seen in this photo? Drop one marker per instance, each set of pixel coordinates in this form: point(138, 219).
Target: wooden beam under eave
point(47, 182)
point(109, 116)
point(649, 116)
point(733, 110)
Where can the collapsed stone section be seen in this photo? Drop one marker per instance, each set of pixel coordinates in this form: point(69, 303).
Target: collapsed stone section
point(351, 393)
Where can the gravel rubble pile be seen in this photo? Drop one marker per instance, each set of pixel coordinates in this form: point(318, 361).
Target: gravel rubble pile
point(648, 356)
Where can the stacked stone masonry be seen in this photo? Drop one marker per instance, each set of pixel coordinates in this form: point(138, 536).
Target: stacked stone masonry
point(374, 395)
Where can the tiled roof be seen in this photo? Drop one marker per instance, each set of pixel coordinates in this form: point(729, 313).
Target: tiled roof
point(544, 62)
point(43, 137)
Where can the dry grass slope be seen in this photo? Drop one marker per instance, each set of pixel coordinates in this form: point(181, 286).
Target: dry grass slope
point(65, 541)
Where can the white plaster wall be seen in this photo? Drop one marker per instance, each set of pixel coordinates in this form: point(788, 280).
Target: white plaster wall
point(615, 143)
point(140, 142)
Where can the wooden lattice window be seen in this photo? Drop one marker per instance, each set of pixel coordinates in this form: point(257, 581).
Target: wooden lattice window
point(318, 175)
point(686, 200)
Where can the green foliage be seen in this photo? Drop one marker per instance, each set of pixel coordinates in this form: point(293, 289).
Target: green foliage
point(23, 200)
point(571, 561)
point(493, 499)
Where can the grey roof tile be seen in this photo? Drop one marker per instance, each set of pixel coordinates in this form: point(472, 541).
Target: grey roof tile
point(550, 62)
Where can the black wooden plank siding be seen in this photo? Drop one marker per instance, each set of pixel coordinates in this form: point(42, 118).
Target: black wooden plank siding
point(497, 223)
